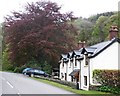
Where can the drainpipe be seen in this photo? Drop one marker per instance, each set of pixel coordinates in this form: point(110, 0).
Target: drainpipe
point(80, 76)
point(89, 73)
point(66, 71)
point(73, 64)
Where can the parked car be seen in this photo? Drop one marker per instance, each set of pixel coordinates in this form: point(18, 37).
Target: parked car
point(26, 70)
point(35, 72)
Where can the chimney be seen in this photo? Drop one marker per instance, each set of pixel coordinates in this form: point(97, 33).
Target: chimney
point(113, 33)
point(81, 44)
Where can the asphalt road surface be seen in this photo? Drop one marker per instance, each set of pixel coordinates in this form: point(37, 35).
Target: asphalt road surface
point(13, 83)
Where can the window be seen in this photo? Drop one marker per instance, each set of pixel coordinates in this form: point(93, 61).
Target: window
point(75, 62)
point(72, 78)
point(65, 76)
point(86, 60)
point(85, 80)
point(70, 63)
point(63, 64)
point(62, 76)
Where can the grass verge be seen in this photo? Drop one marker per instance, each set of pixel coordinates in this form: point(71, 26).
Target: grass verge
point(69, 88)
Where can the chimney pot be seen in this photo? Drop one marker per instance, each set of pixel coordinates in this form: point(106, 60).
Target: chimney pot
point(113, 33)
point(81, 44)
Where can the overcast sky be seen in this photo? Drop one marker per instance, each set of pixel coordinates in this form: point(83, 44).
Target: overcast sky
point(80, 8)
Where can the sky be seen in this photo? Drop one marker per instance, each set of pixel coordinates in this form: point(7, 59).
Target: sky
point(80, 8)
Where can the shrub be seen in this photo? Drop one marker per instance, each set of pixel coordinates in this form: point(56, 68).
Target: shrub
point(107, 77)
point(32, 64)
point(110, 80)
point(18, 69)
point(114, 90)
point(6, 65)
point(47, 67)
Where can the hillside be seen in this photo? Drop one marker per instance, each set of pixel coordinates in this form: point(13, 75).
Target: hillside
point(95, 28)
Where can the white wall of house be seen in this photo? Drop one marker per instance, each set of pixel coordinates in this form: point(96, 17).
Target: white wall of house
point(119, 56)
point(84, 72)
point(62, 70)
point(77, 66)
point(70, 69)
point(107, 59)
point(72, 66)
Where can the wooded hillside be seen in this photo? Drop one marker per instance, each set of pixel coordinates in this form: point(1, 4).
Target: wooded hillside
point(95, 28)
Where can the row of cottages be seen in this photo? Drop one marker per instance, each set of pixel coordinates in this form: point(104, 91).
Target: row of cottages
point(77, 66)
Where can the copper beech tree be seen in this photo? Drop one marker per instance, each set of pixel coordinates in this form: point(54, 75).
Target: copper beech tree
point(41, 32)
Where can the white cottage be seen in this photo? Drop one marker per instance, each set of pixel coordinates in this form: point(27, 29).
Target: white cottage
point(78, 66)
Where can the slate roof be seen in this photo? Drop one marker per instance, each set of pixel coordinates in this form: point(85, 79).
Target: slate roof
point(64, 57)
point(77, 52)
point(103, 45)
point(69, 55)
point(92, 50)
point(98, 48)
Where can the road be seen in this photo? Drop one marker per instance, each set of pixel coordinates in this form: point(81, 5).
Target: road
point(13, 83)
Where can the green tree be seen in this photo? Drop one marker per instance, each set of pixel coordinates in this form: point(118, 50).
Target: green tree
point(84, 28)
point(98, 33)
point(112, 20)
point(6, 65)
point(47, 67)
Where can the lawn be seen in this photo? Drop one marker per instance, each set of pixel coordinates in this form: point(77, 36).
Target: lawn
point(98, 93)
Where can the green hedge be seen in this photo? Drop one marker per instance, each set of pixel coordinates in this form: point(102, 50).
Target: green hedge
point(115, 90)
point(107, 77)
point(110, 80)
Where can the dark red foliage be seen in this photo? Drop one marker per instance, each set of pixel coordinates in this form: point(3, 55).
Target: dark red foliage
point(41, 32)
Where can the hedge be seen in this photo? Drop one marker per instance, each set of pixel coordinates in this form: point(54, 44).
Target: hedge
point(107, 77)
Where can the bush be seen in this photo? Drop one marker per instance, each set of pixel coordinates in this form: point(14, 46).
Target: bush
point(47, 68)
point(114, 90)
point(107, 77)
point(6, 65)
point(110, 80)
point(32, 64)
point(18, 69)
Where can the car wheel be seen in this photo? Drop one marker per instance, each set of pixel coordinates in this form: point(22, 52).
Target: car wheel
point(45, 75)
point(31, 75)
point(24, 73)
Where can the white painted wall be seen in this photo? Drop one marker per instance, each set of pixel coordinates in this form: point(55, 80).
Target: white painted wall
point(78, 65)
point(68, 68)
point(84, 72)
point(107, 59)
point(119, 56)
point(62, 70)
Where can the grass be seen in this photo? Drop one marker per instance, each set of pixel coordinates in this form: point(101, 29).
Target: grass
point(98, 93)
